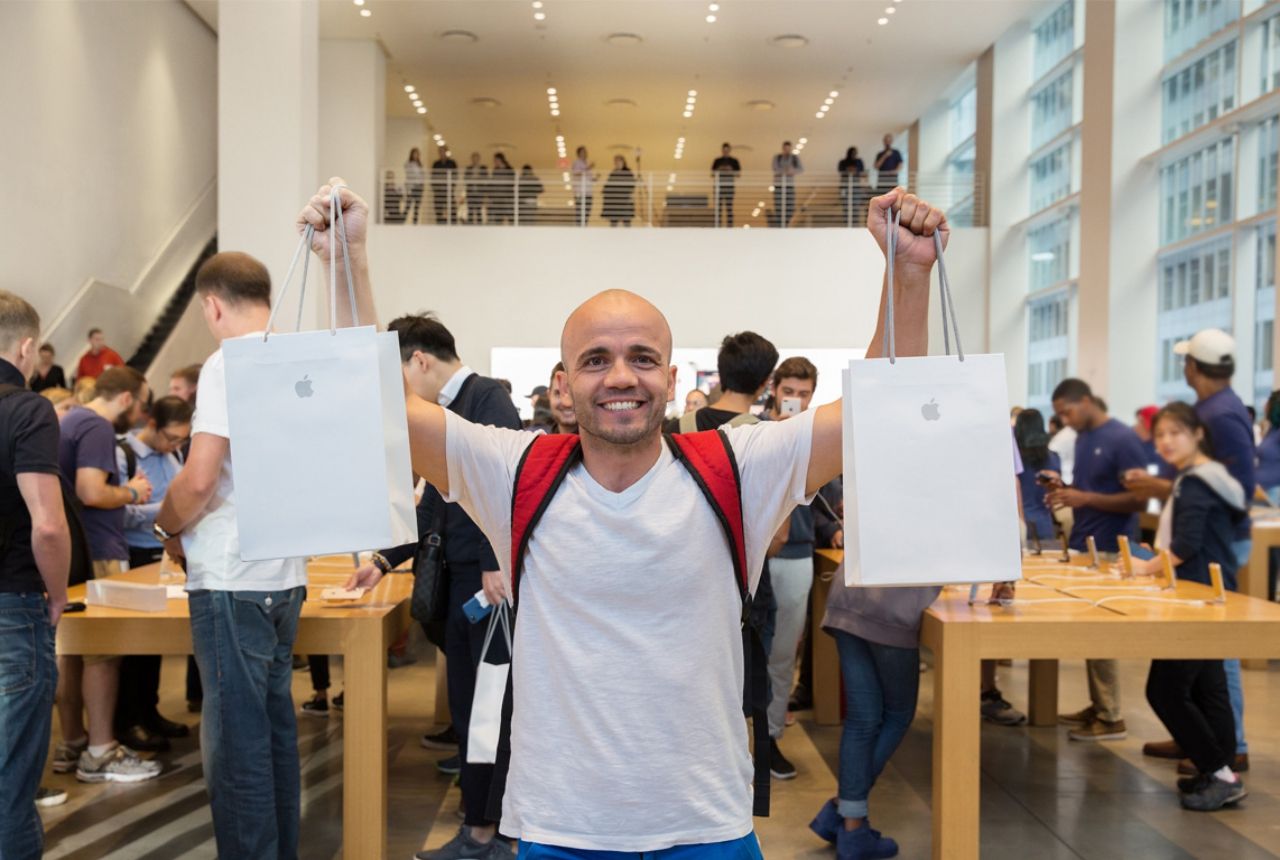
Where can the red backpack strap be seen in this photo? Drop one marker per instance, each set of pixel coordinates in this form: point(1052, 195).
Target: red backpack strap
point(709, 458)
point(541, 470)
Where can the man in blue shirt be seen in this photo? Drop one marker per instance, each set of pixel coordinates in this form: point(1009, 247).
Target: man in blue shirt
point(1209, 366)
point(1104, 509)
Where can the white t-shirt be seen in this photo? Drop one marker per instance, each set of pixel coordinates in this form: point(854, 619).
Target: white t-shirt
point(212, 542)
point(627, 731)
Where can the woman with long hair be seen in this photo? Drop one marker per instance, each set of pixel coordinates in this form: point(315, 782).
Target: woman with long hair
point(1033, 444)
point(415, 180)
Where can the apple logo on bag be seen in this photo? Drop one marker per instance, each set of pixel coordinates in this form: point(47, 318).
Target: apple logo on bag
point(302, 387)
point(930, 410)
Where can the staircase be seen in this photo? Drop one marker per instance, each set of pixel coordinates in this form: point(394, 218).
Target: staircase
point(173, 311)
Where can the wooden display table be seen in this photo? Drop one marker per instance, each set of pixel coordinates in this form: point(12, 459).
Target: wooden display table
point(1046, 623)
point(1056, 615)
point(360, 631)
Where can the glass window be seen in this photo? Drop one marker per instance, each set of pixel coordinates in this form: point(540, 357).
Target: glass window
point(1054, 38)
point(1051, 109)
point(1196, 192)
point(1268, 146)
point(1049, 248)
point(1264, 313)
point(1199, 92)
point(1187, 23)
point(1051, 177)
point(1048, 347)
point(1195, 293)
point(1270, 54)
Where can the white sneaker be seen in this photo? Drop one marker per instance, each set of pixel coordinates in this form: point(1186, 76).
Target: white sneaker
point(66, 756)
point(118, 764)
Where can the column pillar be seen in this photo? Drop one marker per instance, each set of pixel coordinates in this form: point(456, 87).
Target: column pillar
point(267, 129)
point(1094, 290)
point(353, 113)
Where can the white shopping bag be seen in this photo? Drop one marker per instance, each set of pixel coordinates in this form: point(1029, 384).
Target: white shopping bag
point(319, 436)
point(928, 466)
point(491, 688)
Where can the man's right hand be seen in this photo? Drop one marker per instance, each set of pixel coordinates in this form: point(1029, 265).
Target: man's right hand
point(366, 576)
point(495, 586)
point(57, 603)
point(141, 486)
point(355, 218)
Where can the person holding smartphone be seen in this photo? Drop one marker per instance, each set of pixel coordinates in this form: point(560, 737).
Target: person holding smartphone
point(1104, 509)
point(1197, 528)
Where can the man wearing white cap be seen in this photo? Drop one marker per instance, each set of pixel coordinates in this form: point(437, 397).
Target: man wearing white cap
point(1210, 364)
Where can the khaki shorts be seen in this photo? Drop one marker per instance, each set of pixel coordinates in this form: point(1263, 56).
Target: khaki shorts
point(103, 568)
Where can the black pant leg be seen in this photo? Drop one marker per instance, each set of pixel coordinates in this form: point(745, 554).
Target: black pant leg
point(139, 690)
point(1169, 691)
point(195, 690)
point(318, 664)
point(1209, 693)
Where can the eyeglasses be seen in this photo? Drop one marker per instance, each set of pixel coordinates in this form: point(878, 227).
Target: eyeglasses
point(172, 438)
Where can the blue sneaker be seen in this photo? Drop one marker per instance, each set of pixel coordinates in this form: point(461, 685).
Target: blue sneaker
point(827, 823)
point(864, 844)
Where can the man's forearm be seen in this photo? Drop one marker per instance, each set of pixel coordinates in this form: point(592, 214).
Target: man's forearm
point(52, 551)
point(363, 288)
point(1115, 503)
point(911, 315)
point(182, 504)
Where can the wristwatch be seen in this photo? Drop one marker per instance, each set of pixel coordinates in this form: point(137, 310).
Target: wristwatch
point(380, 563)
point(161, 535)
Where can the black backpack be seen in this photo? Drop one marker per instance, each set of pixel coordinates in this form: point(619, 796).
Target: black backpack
point(81, 556)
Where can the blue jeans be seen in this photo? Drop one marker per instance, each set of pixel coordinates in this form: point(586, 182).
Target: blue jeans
point(880, 687)
point(243, 642)
point(1235, 688)
point(746, 848)
point(28, 677)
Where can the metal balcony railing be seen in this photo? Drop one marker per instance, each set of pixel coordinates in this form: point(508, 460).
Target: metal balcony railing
point(556, 196)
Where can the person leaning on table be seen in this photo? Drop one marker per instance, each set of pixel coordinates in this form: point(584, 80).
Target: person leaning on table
point(1197, 527)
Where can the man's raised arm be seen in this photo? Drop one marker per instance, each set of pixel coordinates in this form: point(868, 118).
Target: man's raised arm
point(913, 265)
point(426, 420)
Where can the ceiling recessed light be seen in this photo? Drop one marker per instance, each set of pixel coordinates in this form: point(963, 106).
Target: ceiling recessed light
point(829, 102)
point(693, 92)
point(889, 10)
point(486, 102)
point(623, 39)
point(711, 19)
point(537, 4)
point(714, 7)
point(555, 113)
point(551, 91)
point(688, 114)
point(359, 2)
point(819, 115)
point(789, 40)
point(835, 94)
point(408, 88)
point(882, 21)
point(365, 13)
point(539, 16)
point(421, 109)
point(804, 140)
point(459, 36)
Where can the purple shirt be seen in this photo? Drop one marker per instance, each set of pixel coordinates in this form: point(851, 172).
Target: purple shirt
point(1231, 434)
point(88, 442)
point(1103, 455)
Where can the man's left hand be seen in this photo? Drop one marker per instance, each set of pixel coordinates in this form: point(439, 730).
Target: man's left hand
point(1067, 497)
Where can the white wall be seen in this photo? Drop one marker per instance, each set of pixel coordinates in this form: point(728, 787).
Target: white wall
point(353, 110)
point(109, 156)
point(514, 286)
point(190, 343)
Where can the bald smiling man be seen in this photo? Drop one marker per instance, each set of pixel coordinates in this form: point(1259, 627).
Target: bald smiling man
point(627, 732)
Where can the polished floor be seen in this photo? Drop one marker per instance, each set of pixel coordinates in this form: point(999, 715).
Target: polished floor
point(1042, 795)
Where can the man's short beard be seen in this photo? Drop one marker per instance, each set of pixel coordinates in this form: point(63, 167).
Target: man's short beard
point(630, 436)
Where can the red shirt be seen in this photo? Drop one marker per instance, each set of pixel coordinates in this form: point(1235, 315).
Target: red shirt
point(92, 366)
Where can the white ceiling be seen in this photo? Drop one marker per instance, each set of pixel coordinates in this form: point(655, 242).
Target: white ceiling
point(887, 76)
